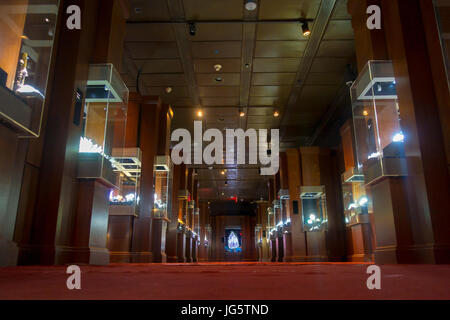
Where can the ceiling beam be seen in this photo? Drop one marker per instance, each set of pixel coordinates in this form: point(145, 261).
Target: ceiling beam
point(184, 48)
point(320, 25)
point(248, 49)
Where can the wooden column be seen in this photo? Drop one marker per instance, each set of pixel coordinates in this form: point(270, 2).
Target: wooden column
point(205, 238)
point(148, 141)
point(411, 219)
point(294, 237)
point(359, 232)
point(55, 153)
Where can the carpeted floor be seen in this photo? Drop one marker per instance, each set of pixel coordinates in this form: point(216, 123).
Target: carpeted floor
point(237, 281)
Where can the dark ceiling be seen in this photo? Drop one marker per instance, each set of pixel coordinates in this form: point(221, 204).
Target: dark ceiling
point(266, 66)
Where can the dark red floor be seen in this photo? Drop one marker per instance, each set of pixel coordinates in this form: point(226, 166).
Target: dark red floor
point(281, 281)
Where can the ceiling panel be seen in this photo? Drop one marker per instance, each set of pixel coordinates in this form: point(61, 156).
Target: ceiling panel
point(260, 111)
point(210, 79)
point(275, 64)
point(270, 91)
point(148, 10)
point(214, 10)
point(156, 80)
point(155, 50)
point(273, 49)
point(269, 79)
point(329, 65)
point(160, 66)
point(216, 91)
point(158, 32)
point(288, 9)
point(220, 101)
point(177, 92)
point(337, 48)
point(207, 65)
point(339, 30)
point(267, 101)
point(228, 49)
point(279, 31)
point(318, 78)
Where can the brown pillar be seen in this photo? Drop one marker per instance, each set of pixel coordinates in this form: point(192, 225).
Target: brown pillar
point(141, 242)
point(204, 236)
point(60, 137)
point(411, 219)
point(173, 226)
point(294, 237)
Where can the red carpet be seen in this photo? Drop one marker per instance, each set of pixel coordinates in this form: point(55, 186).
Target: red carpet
point(281, 281)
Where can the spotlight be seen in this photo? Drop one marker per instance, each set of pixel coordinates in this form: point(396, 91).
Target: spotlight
point(217, 67)
point(250, 5)
point(169, 89)
point(242, 114)
point(276, 114)
point(192, 29)
point(222, 172)
point(200, 113)
point(305, 29)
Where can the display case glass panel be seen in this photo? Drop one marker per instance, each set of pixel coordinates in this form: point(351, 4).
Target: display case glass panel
point(162, 186)
point(27, 32)
point(356, 203)
point(125, 199)
point(283, 195)
point(104, 122)
point(442, 14)
point(377, 121)
point(314, 208)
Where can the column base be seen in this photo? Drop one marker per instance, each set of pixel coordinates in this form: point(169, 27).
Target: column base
point(86, 255)
point(141, 257)
point(360, 257)
point(119, 256)
point(9, 253)
point(405, 255)
point(295, 259)
point(172, 259)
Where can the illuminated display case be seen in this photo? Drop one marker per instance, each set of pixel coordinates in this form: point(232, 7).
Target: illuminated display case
point(127, 164)
point(27, 31)
point(104, 122)
point(356, 203)
point(314, 208)
point(377, 122)
point(162, 186)
point(283, 195)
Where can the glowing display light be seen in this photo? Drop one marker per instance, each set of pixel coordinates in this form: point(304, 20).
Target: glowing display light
point(398, 137)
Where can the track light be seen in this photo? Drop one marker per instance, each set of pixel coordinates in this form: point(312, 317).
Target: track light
point(276, 114)
point(305, 29)
point(242, 114)
point(200, 113)
point(192, 28)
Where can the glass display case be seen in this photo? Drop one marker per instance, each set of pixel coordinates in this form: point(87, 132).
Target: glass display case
point(314, 208)
point(283, 195)
point(127, 164)
point(27, 32)
point(104, 122)
point(356, 203)
point(377, 122)
point(162, 186)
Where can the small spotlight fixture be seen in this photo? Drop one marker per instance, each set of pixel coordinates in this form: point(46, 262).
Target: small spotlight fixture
point(47, 20)
point(169, 90)
point(200, 113)
point(242, 114)
point(192, 29)
point(222, 172)
point(305, 29)
point(250, 5)
point(218, 79)
point(218, 67)
point(276, 114)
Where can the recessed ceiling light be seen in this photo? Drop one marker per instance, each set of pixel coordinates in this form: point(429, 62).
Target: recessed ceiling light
point(276, 114)
point(219, 79)
point(242, 114)
point(217, 67)
point(222, 172)
point(250, 5)
point(169, 90)
point(47, 20)
point(200, 113)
